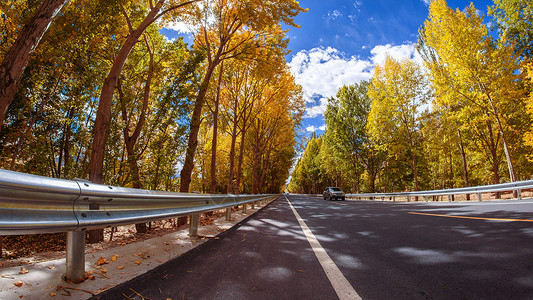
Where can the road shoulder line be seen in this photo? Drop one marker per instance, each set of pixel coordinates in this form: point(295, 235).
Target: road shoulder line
point(472, 218)
point(340, 284)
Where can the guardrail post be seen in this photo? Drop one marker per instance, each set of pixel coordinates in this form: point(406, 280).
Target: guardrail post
point(408, 198)
point(449, 198)
point(193, 225)
point(228, 214)
point(479, 196)
point(426, 198)
point(253, 204)
point(244, 208)
point(75, 256)
point(518, 194)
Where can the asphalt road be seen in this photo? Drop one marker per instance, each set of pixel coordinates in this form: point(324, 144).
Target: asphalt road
point(385, 250)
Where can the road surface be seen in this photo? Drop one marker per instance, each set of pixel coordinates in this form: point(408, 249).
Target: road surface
point(376, 250)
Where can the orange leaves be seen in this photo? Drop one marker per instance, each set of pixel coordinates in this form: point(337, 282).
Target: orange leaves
point(17, 283)
point(23, 271)
point(102, 261)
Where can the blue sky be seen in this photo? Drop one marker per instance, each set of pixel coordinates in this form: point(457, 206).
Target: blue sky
point(340, 41)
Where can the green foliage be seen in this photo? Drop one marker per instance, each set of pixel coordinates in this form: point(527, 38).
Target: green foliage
point(515, 19)
point(49, 126)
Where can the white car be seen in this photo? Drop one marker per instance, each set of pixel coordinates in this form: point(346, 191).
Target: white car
point(332, 193)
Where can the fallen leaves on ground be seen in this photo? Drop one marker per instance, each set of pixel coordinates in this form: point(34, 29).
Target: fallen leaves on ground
point(17, 245)
point(206, 221)
point(89, 275)
point(17, 283)
point(102, 261)
point(53, 245)
point(23, 271)
point(141, 255)
point(114, 258)
point(120, 267)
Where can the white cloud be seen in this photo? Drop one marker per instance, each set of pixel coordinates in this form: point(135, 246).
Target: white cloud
point(427, 2)
point(333, 15)
point(322, 71)
point(180, 27)
point(313, 128)
point(317, 110)
point(397, 52)
point(170, 40)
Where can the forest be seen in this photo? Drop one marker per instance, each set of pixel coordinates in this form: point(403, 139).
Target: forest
point(93, 89)
point(462, 117)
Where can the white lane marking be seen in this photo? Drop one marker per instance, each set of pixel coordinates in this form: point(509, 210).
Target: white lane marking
point(340, 284)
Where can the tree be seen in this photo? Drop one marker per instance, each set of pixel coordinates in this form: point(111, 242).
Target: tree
point(346, 119)
point(103, 114)
point(230, 29)
point(398, 90)
point(17, 57)
point(484, 73)
point(515, 20)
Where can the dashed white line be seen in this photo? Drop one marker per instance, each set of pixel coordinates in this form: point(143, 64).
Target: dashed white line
point(340, 284)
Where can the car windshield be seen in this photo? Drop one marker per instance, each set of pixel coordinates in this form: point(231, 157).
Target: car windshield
point(336, 189)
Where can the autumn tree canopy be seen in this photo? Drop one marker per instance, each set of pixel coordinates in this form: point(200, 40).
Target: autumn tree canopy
point(106, 97)
point(461, 118)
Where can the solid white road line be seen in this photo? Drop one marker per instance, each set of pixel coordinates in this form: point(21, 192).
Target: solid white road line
point(342, 287)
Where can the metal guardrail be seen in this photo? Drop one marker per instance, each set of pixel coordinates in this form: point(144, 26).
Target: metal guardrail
point(35, 204)
point(503, 187)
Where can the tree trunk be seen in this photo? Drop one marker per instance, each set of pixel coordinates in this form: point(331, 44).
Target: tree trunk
point(64, 151)
point(255, 163)
point(414, 165)
point(192, 143)
point(512, 175)
point(239, 163)
point(103, 114)
point(229, 188)
point(495, 162)
point(155, 181)
point(17, 57)
point(131, 141)
point(463, 158)
point(213, 185)
point(188, 165)
point(357, 180)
